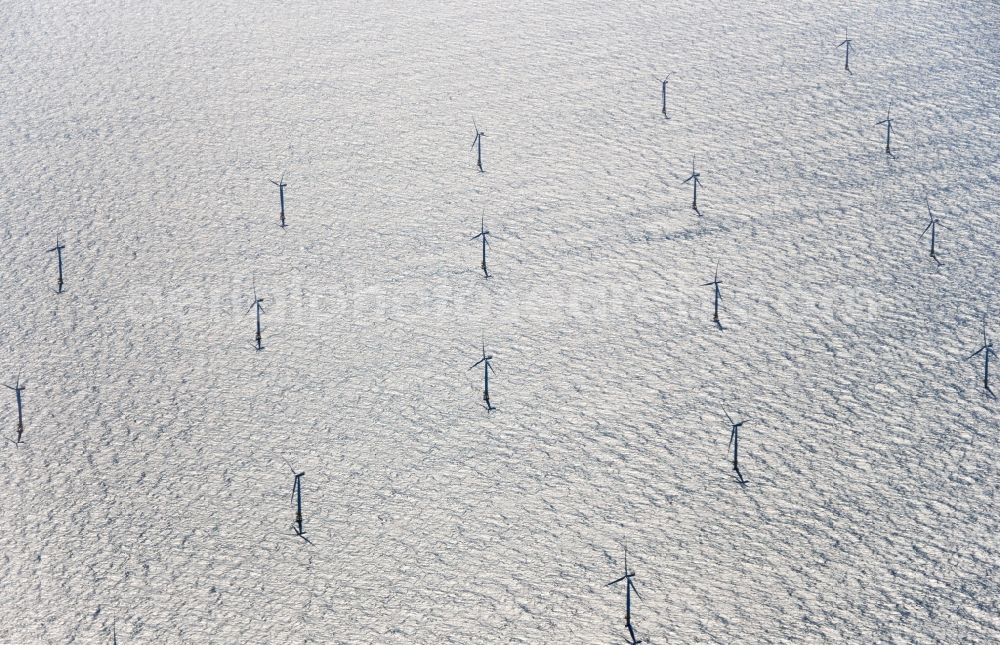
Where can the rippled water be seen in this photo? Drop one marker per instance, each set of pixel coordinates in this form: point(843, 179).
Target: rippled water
point(152, 492)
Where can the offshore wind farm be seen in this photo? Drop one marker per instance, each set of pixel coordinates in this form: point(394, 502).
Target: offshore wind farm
point(805, 454)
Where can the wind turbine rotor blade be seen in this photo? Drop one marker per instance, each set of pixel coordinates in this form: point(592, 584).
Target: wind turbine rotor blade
point(615, 581)
point(972, 356)
point(289, 464)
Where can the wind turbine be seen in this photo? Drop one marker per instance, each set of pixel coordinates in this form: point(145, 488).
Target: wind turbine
point(888, 129)
point(18, 388)
point(695, 182)
point(932, 227)
point(487, 368)
point(847, 53)
point(985, 350)
point(718, 293)
point(58, 248)
point(297, 498)
point(281, 196)
point(477, 143)
point(297, 501)
point(483, 233)
point(629, 588)
point(260, 309)
point(663, 92)
point(734, 445)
